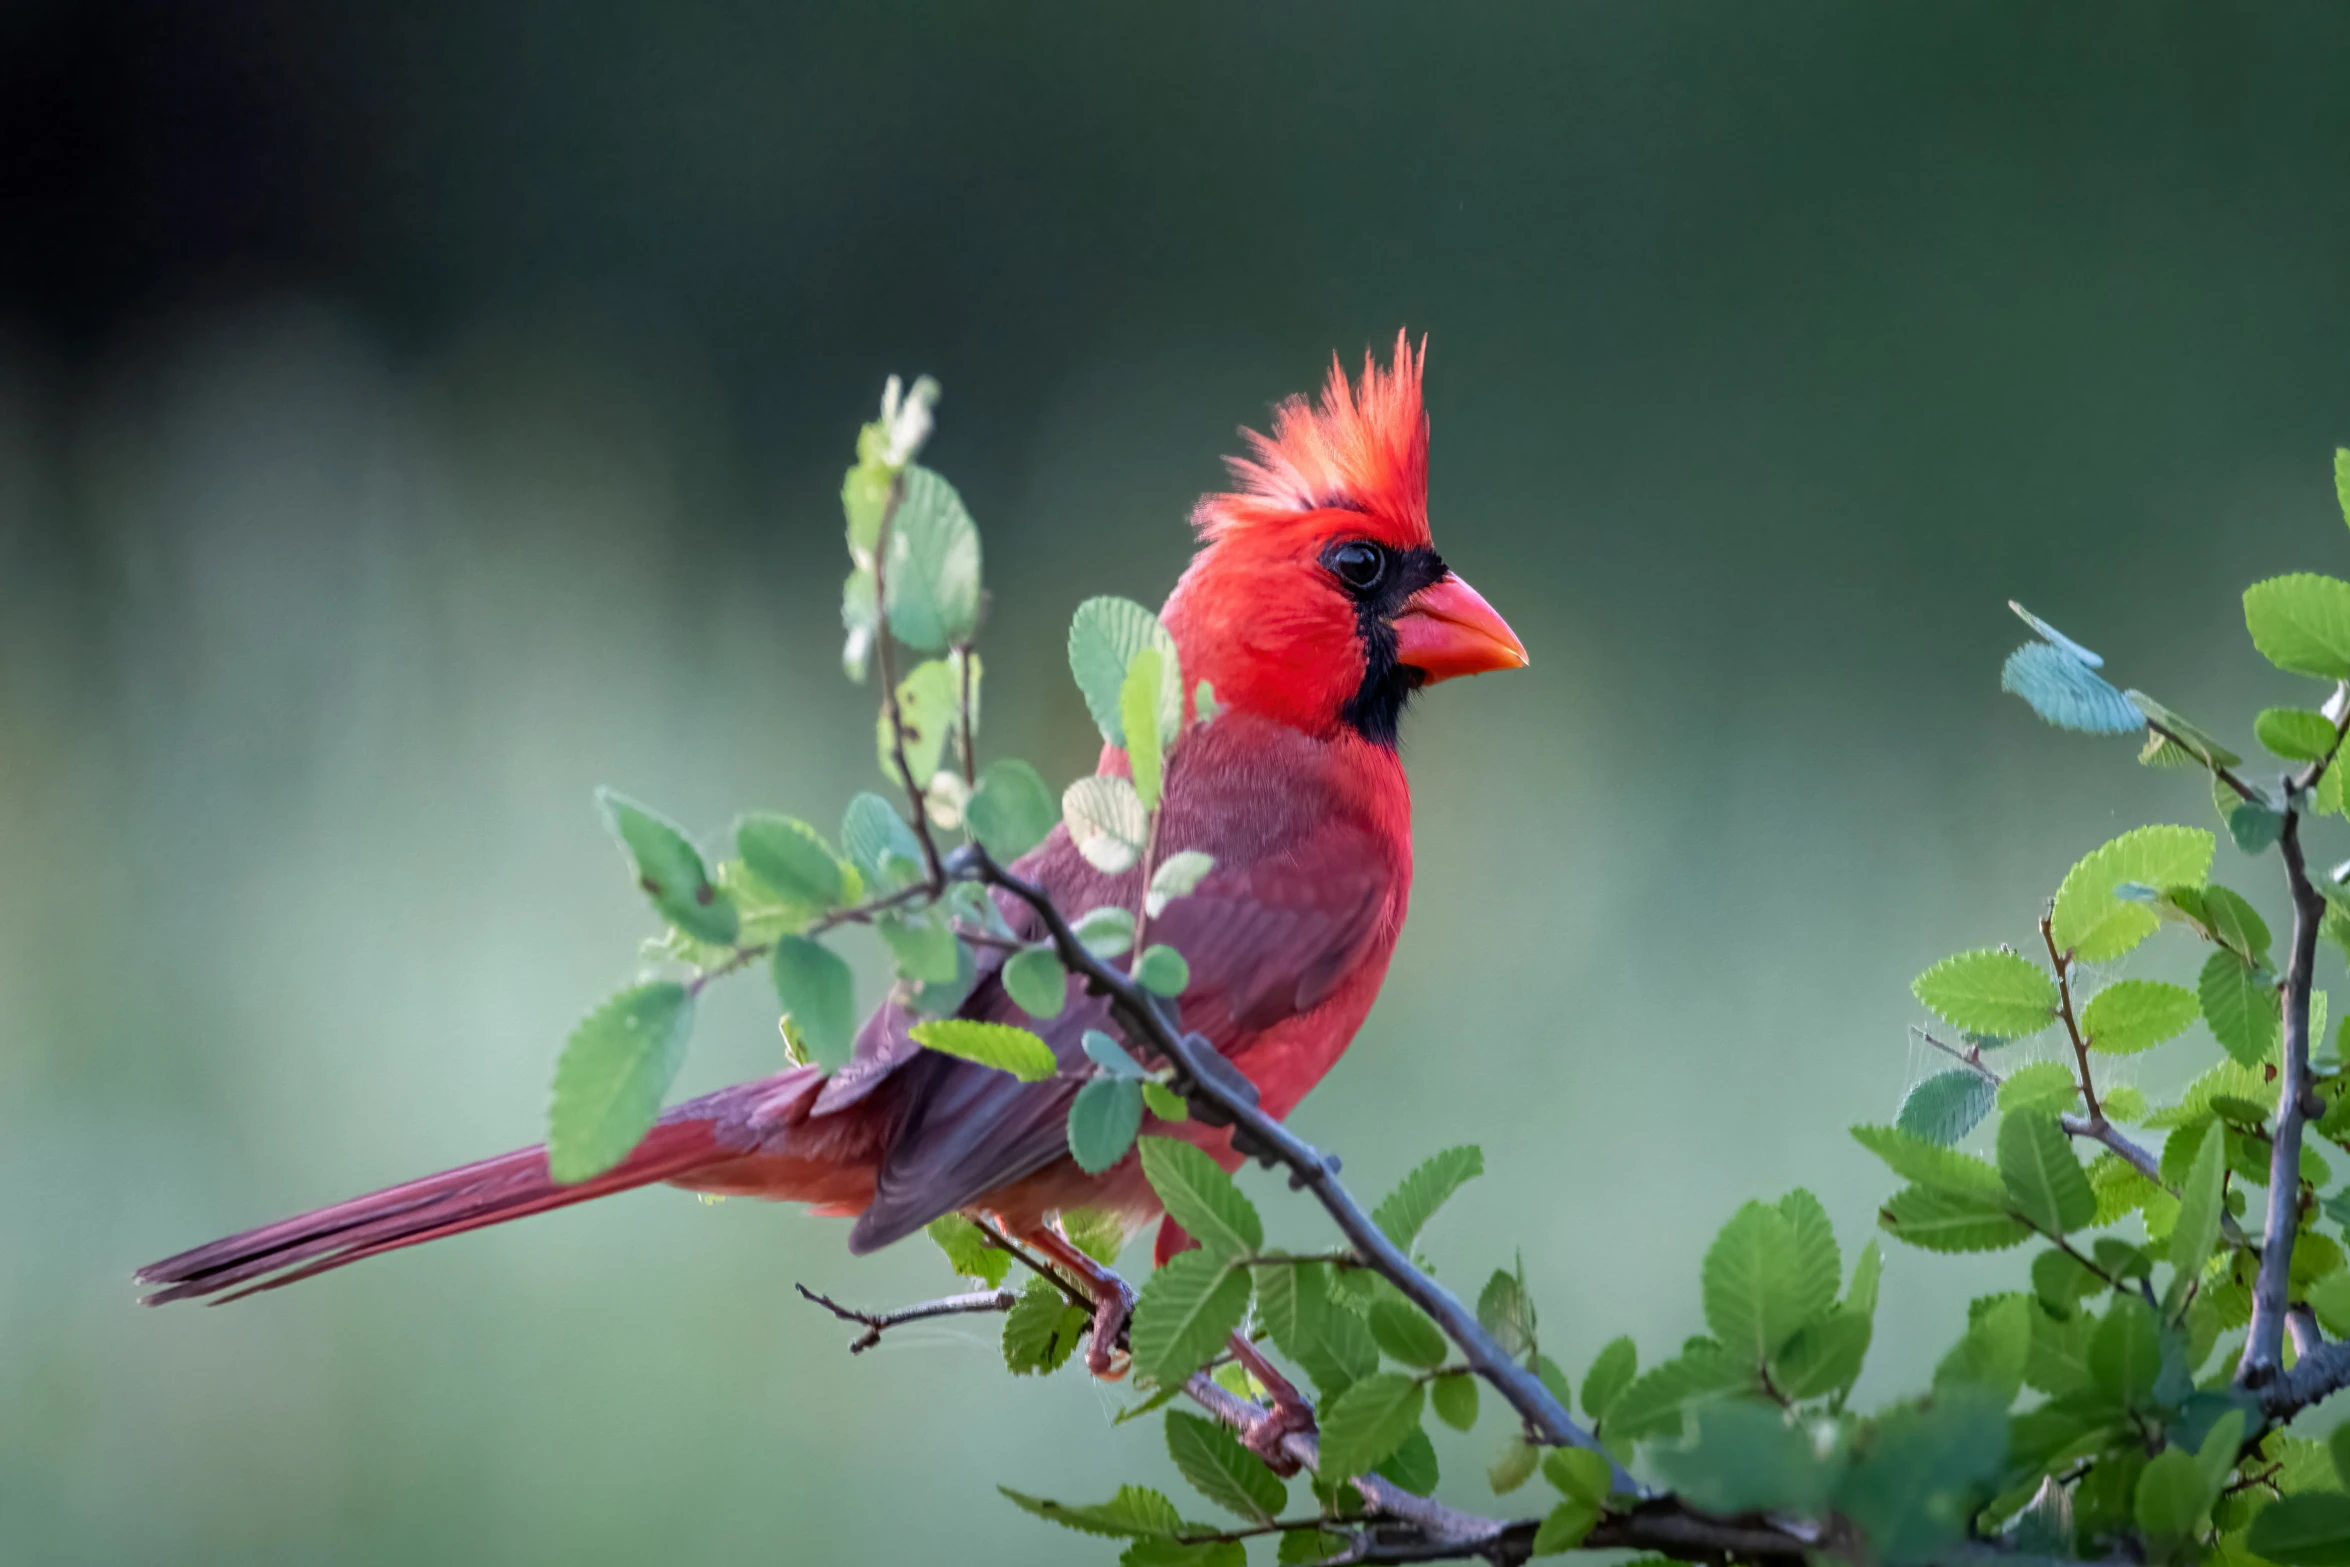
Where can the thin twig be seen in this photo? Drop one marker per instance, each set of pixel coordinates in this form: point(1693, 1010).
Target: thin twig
point(2064, 1009)
point(889, 687)
point(2222, 774)
point(878, 1323)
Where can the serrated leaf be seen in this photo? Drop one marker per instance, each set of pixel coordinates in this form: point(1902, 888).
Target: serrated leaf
point(1188, 1308)
point(1011, 810)
point(2066, 692)
point(1868, 1268)
point(1815, 1264)
point(1993, 1352)
point(670, 870)
point(1104, 636)
point(1103, 1120)
point(1412, 1465)
point(1745, 1457)
point(1454, 1399)
point(1222, 1470)
point(1992, 992)
point(2094, 925)
point(879, 843)
point(999, 1045)
point(1368, 1421)
point(1923, 1475)
point(1655, 1402)
point(1176, 877)
point(968, 1250)
point(2234, 922)
point(2342, 499)
point(2196, 1230)
point(1291, 1298)
point(2038, 1085)
point(2045, 1182)
point(933, 566)
point(1136, 1512)
point(1106, 822)
point(1138, 700)
point(2294, 733)
point(923, 945)
point(1109, 1055)
point(1580, 1474)
point(1203, 1199)
point(1931, 1164)
point(1036, 982)
point(1756, 1294)
point(2240, 1004)
point(1945, 1221)
point(2254, 826)
point(1041, 1330)
point(1164, 1102)
point(2130, 1015)
point(615, 1067)
point(1404, 1332)
point(929, 704)
point(1404, 1212)
point(1946, 1106)
point(2301, 624)
point(1825, 1358)
point(1339, 1352)
point(2125, 1351)
point(2311, 1529)
point(791, 859)
point(2193, 748)
point(1506, 1311)
point(1162, 971)
point(817, 991)
point(1105, 932)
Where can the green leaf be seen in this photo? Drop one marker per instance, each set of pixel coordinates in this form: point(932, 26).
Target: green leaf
point(1188, 1308)
point(1945, 1221)
point(2254, 826)
point(2136, 1014)
point(1011, 810)
point(879, 843)
point(2342, 481)
point(1815, 1266)
point(670, 870)
point(1103, 1120)
point(2061, 1281)
point(1369, 1421)
point(1615, 1368)
point(1304, 1547)
point(1036, 982)
point(2122, 1102)
point(1654, 1404)
point(1993, 1353)
point(1861, 1294)
point(1992, 992)
point(1134, 1513)
point(2066, 692)
point(1000, 1045)
point(2294, 733)
point(1176, 877)
point(1923, 1475)
point(1109, 1055)
point(2236, 923)
point(1565, 1528)
point(1104, 636)
point(1138, 700)
point(2301, 624)
point(615, 1067)
point(2094, 925)
point(1946, 1106)
point(1931, 1164)
point(792, 859)
point(929, 714)
point(924, 945)
point(1291, 1299)
point(1580, 1474)
point(933, 567)
point(2040, 1085)
point(1105, 932)
point(1199, 1196)
point(1454, 1399)
point(817, 991)
point(1506, 1311)
point(1412, 1465)
point(1041, 1329)
point(1339, 1352)
point(1825, 1358)
point(2125, 1352)
point(1106, 822)
point(1164, 1102)
point(2196, 1230)
point(968, 1250)
point(2045, 1183)
point(2193, 748)
point(1514, 1466)
point(2240, 1004)
point(1746, 1458)
point(1757, 1294)
point(1404, 1212)
point(2311, 1529)
point(1222, 1470)
point(1404, 1331)
point(1162, 971)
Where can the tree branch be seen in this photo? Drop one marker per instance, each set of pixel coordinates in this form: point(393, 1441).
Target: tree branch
point(889, 687)
point(2072, 1027)
point(877, 1323)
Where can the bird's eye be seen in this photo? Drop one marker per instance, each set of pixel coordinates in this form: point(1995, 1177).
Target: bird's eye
point(1359, 566)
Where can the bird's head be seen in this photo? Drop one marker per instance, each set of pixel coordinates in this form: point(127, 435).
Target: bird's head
point(1317, 598)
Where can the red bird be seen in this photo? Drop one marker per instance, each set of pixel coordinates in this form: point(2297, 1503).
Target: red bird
point(1316, 606)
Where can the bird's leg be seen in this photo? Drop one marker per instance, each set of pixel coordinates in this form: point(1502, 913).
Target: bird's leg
point(1290, 1411)
point(1113, 1302)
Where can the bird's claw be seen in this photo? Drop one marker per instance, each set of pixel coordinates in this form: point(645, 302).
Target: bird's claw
point(1113, 1307)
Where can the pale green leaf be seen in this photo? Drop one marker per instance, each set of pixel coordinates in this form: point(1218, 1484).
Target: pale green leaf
point(1506, 1311)
point(2301, 624)
point(2045, 1182)
point(2196, 1230)
point(2094, 925)
point(1011, 810)
point(615, 1067)
point(1404, 1212)
point(1042, 1329)
point(1164, 1102)
point(1454, 1399)
point(817, 991)
point(2039, 1085)
point(1105, 932)
point(1756, 1294)
point(1106, 821)
point(792, 860)
point(999, 1045)
point(670, 870)
point(1931, 1164)
point(2135, 1014)
point(1992, 992)
point(2240, 1004)
point(933, 565)
point(1138, 700)
point(1177, 875)
point(1945, 1221)
point(1203, 1199)
point(2294, 733)
point(1369, 1421)
point(1104, 636)
point(969, 1251)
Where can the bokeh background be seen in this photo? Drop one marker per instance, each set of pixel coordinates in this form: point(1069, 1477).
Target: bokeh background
point(413, 417)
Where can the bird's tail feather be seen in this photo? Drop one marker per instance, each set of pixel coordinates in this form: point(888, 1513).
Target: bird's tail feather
point(491, 1191)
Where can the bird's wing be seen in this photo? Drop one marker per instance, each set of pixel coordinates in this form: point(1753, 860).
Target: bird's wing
point(1265, 941)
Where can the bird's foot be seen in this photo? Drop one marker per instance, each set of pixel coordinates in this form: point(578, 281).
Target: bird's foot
point(1289, 1412)
point(1113, 1304)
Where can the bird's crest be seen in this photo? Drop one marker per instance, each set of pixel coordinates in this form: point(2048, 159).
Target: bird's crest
point(1363, 448)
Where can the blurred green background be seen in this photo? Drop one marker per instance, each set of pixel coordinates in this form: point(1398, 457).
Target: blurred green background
point(413, 417)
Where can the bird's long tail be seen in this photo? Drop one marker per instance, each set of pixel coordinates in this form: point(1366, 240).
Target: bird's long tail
point(512, 1186)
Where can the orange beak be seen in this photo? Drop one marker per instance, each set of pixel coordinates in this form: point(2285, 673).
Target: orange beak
point(1448, 629)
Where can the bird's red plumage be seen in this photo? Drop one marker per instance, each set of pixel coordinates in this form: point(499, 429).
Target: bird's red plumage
point(1288, 938)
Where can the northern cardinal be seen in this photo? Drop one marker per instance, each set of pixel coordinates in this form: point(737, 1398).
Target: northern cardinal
point(1316, 606)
